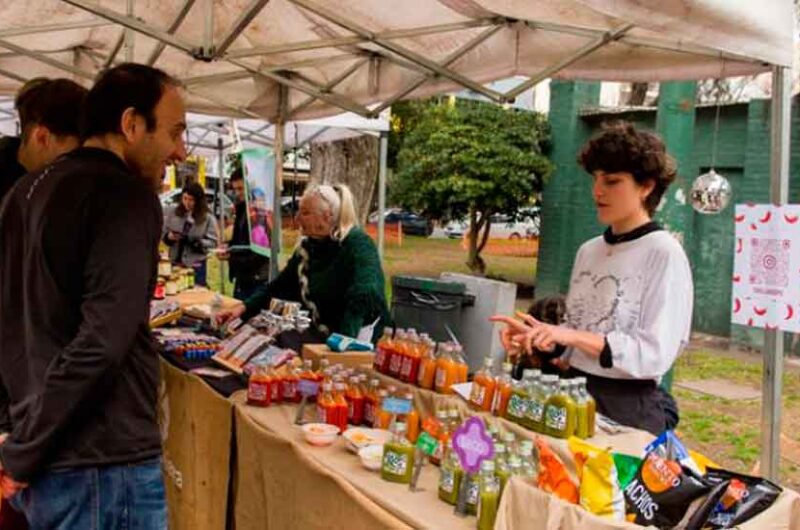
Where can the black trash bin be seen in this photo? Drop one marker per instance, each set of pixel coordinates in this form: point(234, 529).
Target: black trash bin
point(429, 305)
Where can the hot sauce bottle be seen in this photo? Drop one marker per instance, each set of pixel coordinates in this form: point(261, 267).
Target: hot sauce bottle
point(355, 402)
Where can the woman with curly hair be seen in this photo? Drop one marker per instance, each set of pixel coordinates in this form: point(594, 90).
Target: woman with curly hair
point(629, 306)
point(190, 231)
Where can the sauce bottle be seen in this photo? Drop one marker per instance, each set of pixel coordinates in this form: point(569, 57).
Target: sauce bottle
point(483, 387)
point(446, 371)
point(289, 392)
point(371, 402)
point(258, 391)
point(340, 402)
point(326, 406)
point(503, 391)
point(489, 496)
point(382, 352)
point(355, 402)
point(397, 354)
point(560, 413)
point(398, 457)
point(275, 385)
point(413, 356)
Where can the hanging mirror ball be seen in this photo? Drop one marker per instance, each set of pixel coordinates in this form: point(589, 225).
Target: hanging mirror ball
point(711, 193)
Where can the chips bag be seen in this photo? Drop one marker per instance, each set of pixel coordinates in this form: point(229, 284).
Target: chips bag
point(627, 466)
point(553, 475)
point(599, 488)
point(669, 446)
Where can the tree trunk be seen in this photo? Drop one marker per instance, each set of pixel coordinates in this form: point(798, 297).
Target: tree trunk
point(354, 162)
point(476, 224)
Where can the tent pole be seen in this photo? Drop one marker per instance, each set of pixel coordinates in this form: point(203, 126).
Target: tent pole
point(158, 50)
point(245, 17)
point(772, 383)
point(129, 35)
point(220, 195)
point(384, 151)
point(275, 236)
point(329, 86)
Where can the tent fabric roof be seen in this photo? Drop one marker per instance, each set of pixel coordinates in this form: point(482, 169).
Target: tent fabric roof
point(334, 54)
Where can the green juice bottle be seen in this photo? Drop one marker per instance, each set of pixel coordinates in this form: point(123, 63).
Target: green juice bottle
point(529, 467)
point(535, 409)
point(489, 496)
point(398, 457)
point(502, 471)
point(585, 409)
point(560, 413)
point(517, 403)
point(450, 474)
point(473, 492)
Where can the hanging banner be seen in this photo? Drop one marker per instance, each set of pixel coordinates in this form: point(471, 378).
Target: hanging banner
point(258, 166)
point(766, 269)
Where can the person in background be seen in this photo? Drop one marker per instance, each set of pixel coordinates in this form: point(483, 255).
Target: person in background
point(629, 306)
point(190, 231)
point(78, 364)
point(335, 272)
point(550, 310)
point(246, 268)
point(49, 113)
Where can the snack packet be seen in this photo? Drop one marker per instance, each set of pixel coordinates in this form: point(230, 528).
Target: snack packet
point(553, 476)
point(627, 466)
point(599, 488)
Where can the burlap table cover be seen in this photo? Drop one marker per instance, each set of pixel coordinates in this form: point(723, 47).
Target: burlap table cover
point(196, 427)
point(283, 482)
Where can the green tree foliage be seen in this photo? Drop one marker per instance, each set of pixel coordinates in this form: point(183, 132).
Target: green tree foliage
point(458, 159)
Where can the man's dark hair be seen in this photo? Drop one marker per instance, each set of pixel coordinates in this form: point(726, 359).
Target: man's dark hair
point(236, 175)
point(200, 202)
point(620, 147)
point(128, 85)
point(53, 103)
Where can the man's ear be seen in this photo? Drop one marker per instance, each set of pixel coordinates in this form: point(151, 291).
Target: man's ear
point(129, 122)
point(39, 135)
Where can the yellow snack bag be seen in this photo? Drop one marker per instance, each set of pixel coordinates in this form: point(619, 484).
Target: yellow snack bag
point(599, 488)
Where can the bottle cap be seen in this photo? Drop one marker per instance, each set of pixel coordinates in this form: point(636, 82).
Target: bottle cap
point(487, 466)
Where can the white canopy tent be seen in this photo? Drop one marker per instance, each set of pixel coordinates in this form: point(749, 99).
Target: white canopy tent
point(294, 59)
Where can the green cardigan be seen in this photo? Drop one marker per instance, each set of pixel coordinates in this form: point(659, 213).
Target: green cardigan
point(345, 281)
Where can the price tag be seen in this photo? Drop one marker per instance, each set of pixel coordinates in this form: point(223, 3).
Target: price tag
point(397, 406)
point(307, 388)
point(427, 443)
point(472, 444)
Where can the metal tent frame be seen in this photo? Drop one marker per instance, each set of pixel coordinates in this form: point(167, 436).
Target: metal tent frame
point(375, 49)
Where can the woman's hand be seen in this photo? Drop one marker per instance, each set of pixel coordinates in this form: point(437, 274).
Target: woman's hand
point(530, 334)
point(224, 317)
point(173, 236)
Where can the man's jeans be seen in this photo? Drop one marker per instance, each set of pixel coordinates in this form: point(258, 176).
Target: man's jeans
point(124, 497)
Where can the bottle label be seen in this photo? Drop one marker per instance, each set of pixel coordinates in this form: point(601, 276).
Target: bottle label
point(516, 406)
point(395, 463)
point(369, 413)
point(447, 480)
point(556, 418)
point(258, 392)
point(394, 363)
point(289, 389)
point(496, 402)
point(405, 371)
point(441, 374)
point(472, 492)
point(535, 410)
point(379, 356)
point(275, 392)
point(478, 394)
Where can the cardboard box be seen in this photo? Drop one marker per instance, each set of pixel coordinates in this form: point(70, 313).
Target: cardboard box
point(355, 359)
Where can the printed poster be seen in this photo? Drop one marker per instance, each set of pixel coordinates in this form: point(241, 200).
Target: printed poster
point(258, 166)
point(766, 268)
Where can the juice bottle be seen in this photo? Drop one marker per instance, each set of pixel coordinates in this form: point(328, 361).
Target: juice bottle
point(583, 401)
point(398, 457)
point(411, 420)
point(426, 376)
point(355, 402)
point(547, 387)
point(289, 392)
point(382, 351)
point(443, 437)
point(307, 374)
point(275, 385)
point(529, 465)
point(450, 474)
point(326, 406)
point(446, 371)
point(560, 413)
point(473, 491)
point(517, 403)
point(413, 355)
point(383, 417)
point(371, 402)
point(510, 441)
point(483, 387)
point(503, 392)
point(324, 364)
point(501, 469)
point(258, 391)
point(462, 368)
point(397, 353)
point(340, 402)
point(535, 411)
point(489, 496)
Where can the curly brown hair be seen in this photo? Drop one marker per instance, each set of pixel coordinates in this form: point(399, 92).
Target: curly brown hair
point(620, 147)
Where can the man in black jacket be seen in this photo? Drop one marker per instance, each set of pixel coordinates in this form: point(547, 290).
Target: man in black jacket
point(49, 116)
point(246, 268)
point(78, 365)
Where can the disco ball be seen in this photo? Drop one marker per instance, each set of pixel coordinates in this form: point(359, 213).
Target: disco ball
point(711, 193)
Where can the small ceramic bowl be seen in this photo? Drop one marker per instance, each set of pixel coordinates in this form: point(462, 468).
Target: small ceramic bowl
point(357, 438)
point(320, 434)
point(371, 457)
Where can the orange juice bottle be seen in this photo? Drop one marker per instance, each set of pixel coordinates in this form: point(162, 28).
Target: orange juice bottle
point(443, 434)
point(326, 406)
point(398, 353)
point(483, 387)
point(411, 358)
point(462, 368)
point(427, 366)
point(258, 391)
point(289, 392)
point(371, 402)
point(446, 370)
point(340, 402)
point(503, 391)
point(383, 418)
point(383, 351)
point(355, 402)
point(411, 420)
point(275, 385)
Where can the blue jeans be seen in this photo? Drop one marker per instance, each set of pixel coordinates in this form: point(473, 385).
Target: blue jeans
point(123, 497)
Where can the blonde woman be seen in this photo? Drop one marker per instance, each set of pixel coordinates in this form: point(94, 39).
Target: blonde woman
point(335, 272)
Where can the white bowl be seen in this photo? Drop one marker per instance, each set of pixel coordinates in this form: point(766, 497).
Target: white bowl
point(320, 434)
point(371, 456)
point(357, 438)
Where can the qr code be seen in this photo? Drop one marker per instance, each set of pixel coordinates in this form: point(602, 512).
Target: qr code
point(769, 262)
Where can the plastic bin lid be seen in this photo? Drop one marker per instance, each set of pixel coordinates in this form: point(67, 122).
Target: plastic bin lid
point(430, 285)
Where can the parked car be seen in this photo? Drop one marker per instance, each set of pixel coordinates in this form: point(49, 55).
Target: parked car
point(503, 227)
point(456, 229)
point(413, 224)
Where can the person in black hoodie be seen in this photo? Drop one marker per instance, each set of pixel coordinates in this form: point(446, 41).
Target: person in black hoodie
point(78, 364)
point(49, 116)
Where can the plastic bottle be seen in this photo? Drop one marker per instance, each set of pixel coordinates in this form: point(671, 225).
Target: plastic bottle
point(585, 409)
point(534, 414)
point(411, 358)
point(489, 496)
point(443, 436)
point(510, 441)
point(446, 371)
point(450, 474)
point(339, 390)
point(483, 387)
point(503, 391)
point(383, 417)
point(383, 351)
point(371, 402)
point(473, 491)
point(398, 457)
point(426, 376)
point(462, 368)
point(289, 392)
point(501, 465)
point(397, 354)
point(560, 413)
point(517, 403)
point(326, 406)
point(411, 419)
point(355, 402)
point(258, 389)
point(529, 467)
point(275, 385)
